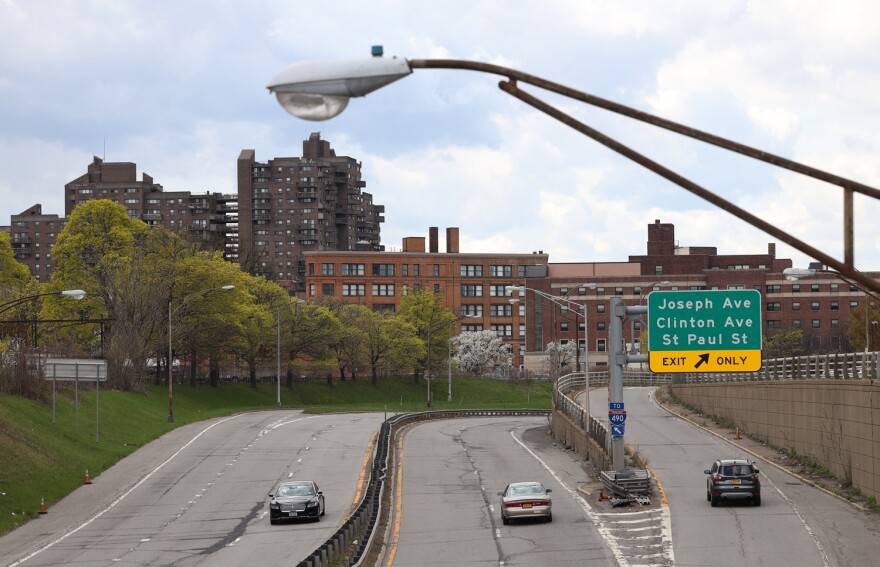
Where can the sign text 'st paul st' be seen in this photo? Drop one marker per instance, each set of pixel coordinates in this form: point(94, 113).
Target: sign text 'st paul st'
point(704, 331)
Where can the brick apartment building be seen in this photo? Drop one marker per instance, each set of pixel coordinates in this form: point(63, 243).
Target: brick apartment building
point(472, 284)
point(293, 205)
point(820, 305)
point(33, 235)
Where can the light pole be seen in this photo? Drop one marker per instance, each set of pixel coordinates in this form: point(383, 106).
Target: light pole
point(449, 355)
point(278, 348)
point(561, 301)
point(319, 90)
point(74, 293)
point(170, 359)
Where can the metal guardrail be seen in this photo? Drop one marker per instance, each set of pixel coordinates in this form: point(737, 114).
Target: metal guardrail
point(351, 543)
point(837, 366)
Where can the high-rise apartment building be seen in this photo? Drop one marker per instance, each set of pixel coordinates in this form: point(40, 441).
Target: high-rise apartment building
point(292, 205)
point(33, 235)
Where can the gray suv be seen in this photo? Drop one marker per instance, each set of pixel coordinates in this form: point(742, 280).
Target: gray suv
point(733, 479)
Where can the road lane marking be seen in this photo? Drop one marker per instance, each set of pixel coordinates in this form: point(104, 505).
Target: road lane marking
point(365, 469)
point(398, 506)
point(124, 494)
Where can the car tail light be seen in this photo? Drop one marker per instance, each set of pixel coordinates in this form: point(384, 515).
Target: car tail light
point(513, 505)
point(541, 503)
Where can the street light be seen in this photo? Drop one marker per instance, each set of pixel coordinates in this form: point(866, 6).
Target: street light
point(170, 356)
point(74, 293)
point(559, 301)
point(319, 90)
point(278, 347)
point(449, 355)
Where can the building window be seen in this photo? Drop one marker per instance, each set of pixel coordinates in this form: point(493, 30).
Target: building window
point(404, 270)
point(637, 290)
point(814, 323)
point(501, 271)
point(774, 306)
point(774, 288)
point(600, 326)
point(437, 288)
point(326, 269)
point(814, 288)
point(471, 290)
point(436, 270)
point(472, 310)
point(853, 304)
point(503, 330)
point(795, 288)
point(774, 324)
point(600, 308)
point(471, 270)
point(353, 270)
point(600, 291)
point(416, 270)
point(383, 289)
point(501, 310)
point(522, 331)
point(383, 269)
point(796, 324)
point(835, 306)
point(600, 345)
point(499, 291)
point(327, 289)
point(835, 288)
point(472, 328)
point(658, 270)
point(563, 326)
point(618, 291)
point(353, 290)
point(835, 324)
point(521, 271)
point(814, 305)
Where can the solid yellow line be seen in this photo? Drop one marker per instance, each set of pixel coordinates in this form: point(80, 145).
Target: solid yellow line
point(365, 467)
point(659, 487)
point(398, 499)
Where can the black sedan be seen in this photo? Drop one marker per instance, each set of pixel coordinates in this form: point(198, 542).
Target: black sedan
point(294, 500)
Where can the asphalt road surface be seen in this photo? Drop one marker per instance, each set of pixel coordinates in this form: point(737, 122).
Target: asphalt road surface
point(796, 524)
point(198, 496)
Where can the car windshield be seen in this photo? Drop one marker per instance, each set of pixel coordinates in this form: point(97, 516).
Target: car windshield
point(297, 490)
point(528, 490)
point(736, 470)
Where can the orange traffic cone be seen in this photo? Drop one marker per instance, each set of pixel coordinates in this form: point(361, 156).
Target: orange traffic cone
point(603, 496)
point(87, 479)
point(738, 436)
point(42, 505)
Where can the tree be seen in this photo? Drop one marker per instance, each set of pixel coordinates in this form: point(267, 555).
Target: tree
point(433, 324)
point(557, 356)
point(784, 344)
point(478, 350)
point(349, 344)
point(256, 321)
point(857, 330)
point(309, 330)
point(107, 254)
point(391, 342)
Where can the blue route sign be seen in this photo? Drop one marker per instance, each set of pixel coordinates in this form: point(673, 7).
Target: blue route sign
point(617, 429)
point(617, 417)
point(615, 406)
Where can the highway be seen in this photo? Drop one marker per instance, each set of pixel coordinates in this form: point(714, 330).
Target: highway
point(198, 496)
point(796, 524)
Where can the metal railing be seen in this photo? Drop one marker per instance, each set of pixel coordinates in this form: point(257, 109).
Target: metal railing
point(837, 366)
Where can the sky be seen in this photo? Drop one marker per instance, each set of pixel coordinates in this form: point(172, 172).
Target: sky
point(179, 89)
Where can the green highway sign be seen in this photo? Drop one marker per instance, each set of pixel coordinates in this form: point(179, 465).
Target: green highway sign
point(704, 331)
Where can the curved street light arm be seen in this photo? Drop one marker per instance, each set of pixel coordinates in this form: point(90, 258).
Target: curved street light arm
point(846, 268)
point(74, 293)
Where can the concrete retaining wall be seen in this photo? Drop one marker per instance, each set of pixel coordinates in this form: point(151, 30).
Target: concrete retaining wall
point(572, 435)
point(836, 423)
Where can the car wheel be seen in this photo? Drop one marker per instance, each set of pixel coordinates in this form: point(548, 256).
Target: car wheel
point(756, 500)
point(323, 509)
point(708, 496)
point(714, 501)
point(549, 518)
point(504, 519)
point(273, 521)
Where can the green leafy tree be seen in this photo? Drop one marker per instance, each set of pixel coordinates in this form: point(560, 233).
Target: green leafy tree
point(858, 332)
point(391, 343)
point(107, 254)
point(433, 324)
point(784, 344)
point(308, 331)
point(255, 308)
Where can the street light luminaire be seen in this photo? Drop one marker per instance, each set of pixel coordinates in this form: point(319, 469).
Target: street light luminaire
point(320, 90)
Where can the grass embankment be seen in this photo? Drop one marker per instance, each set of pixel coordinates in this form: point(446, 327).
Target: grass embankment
point(39, 458)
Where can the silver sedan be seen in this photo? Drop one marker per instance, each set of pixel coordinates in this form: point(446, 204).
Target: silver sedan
point(526, 500)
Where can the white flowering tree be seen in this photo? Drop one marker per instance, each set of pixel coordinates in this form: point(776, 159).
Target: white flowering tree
point(477, 351)
point(557, 356)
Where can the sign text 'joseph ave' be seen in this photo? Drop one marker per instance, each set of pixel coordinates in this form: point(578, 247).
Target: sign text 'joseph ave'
point(704, 331)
